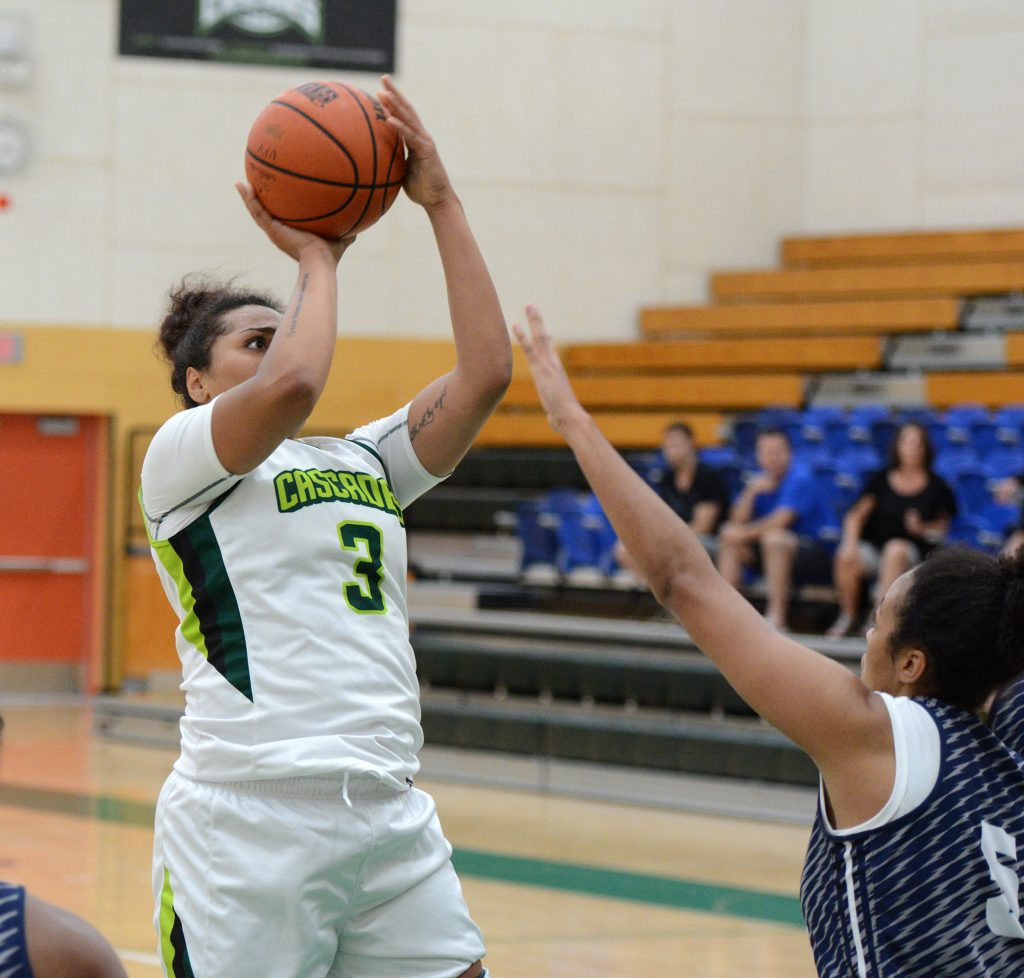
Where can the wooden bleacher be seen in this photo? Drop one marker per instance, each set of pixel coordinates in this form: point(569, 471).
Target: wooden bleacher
point(993, 389)
point(831, 307)
point(871, 317)
point(914, 247)
point(670, 392)
point(869, 282)
point(770, 353)
point(624, 429)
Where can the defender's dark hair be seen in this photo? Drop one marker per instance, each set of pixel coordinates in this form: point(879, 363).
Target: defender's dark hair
point(965, 610)
point(893, 461)
point(195, 318)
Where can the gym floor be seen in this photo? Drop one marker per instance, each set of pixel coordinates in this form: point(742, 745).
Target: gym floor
point(562, 887)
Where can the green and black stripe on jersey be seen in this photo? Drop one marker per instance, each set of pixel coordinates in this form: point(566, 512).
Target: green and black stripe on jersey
point(212, 622)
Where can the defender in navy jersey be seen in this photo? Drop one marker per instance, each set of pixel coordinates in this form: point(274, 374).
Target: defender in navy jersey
point(916, 857)
point(39, 940)
point(290, 841)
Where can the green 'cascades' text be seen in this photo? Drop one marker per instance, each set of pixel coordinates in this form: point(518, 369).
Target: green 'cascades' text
point(298, 488)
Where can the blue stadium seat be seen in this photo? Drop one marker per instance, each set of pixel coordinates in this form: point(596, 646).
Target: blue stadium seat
point(1003, 462)
point(1010, 416)
point(866, 415)
point(986, 436)
point(966, 528)
point(650, 466)
point(995, 521)
point(585, 538)
point(860, 459)
point(972, 488)
point(536, 529)
point(966, 414)
point(950, 463)
point(744, 435)
point(841, 488)
point(816, 420)
point(919, 415)
point(946, 438)
point(881, 434)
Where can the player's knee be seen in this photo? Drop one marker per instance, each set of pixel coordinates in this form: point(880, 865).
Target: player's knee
point(475, 970)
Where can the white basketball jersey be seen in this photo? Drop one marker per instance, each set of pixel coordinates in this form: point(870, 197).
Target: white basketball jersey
point(290, 587)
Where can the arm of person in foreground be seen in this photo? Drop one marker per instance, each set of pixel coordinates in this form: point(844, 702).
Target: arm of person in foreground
point(812, 699)
point(446, 415)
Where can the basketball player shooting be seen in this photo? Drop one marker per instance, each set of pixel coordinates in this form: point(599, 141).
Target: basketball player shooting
point(290, 841)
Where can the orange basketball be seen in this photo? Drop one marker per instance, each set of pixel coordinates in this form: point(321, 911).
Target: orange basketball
point(321, 158)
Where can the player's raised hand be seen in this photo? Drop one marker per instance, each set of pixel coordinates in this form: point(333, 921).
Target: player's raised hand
point(549, 376)
point(290, 240)
point(426, 180)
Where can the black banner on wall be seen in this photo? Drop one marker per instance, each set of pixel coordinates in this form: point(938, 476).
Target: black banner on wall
point(355, 35)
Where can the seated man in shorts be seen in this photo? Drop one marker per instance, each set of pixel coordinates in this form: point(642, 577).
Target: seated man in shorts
point(772, 524)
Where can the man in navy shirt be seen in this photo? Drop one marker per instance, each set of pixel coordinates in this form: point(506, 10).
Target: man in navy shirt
point(773, 525)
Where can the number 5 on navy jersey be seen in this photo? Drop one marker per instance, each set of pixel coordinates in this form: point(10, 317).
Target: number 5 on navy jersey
point(1002, 912)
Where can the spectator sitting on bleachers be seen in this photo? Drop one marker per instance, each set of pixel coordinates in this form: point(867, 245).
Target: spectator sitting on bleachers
point(693, 490)
point(903, 511)
point(771, 526)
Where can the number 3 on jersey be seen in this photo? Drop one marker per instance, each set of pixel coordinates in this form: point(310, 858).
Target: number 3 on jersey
point(365, 598)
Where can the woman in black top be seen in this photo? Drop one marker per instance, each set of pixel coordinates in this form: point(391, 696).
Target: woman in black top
point(903, 511)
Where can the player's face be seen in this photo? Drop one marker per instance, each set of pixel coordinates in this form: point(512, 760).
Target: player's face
point(877, 667)
point(237, 353)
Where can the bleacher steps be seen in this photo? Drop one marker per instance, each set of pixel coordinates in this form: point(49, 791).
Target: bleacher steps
point(851, 390)
point(911, 247)
point(997, 313)
point(947, 351)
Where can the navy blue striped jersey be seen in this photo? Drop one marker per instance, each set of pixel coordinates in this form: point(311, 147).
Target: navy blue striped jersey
point(934, 893)
point(1006, 717)
point(13, 952)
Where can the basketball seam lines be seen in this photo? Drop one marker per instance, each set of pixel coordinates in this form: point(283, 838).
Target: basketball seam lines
point(326, 132)
point(330, 183)
point(373, 141)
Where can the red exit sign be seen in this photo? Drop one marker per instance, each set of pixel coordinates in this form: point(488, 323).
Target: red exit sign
point(10, 348)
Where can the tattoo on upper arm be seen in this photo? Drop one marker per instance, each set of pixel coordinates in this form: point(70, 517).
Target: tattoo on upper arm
point(298, 305)
point(429, 416)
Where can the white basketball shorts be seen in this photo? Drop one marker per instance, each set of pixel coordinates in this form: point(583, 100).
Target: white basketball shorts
point(306, 878)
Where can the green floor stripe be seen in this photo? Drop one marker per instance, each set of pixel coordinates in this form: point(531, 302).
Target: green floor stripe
point(635, 887)
point(661, 891)
point(101, 807)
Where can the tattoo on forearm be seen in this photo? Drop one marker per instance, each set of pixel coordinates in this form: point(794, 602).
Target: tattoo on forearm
point(298, 305)
point(429, 416)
